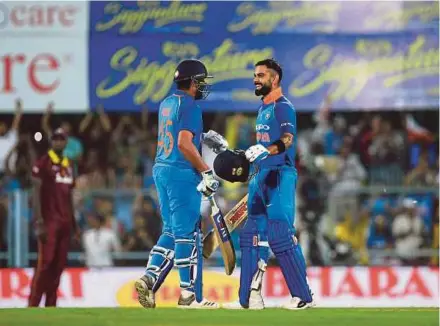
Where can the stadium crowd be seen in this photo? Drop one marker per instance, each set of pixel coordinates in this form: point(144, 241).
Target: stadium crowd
point(351, 201)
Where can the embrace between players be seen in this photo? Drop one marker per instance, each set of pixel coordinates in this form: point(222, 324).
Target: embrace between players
point(182, 177)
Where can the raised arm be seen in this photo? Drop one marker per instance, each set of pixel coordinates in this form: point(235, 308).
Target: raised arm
point(117, 132)
point(85, 122)
point(18, 115)
point(45, 122)
point(104, 119)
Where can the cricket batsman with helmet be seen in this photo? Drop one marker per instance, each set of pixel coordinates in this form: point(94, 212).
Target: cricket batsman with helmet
point(181, 177)
point(271, 201)
point(53, 181)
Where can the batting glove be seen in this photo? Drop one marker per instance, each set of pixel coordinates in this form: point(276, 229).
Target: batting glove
point(209, 185)
point(256, 153)
point(215, 141)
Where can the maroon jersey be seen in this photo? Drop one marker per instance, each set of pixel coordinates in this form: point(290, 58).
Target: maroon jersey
point(58, 181)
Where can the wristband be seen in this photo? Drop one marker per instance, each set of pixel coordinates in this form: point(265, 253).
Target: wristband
point(280, 146)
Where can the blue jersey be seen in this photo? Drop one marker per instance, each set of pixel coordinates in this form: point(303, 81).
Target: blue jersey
point(177, 112)
point(276, 117)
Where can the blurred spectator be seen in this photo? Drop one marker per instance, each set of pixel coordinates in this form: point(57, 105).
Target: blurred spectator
point(143, 207)
point(96, 135)
point(74, 148)
point(9, 138)
point(139, 239)
point(126, 176)
point(146, 143)
point(346, 182)
point(408, 230)
point(422, 175)
point(333, 138)
point(146, 157)
point(19, 172)
point(341, 252)
point(240, 131)
point(351, 231)
point(311, 209)
point(351, 174)
point(379, 237)
point(366, 139)
point(125, 138)
point(416, 132)
point(97, 176)
point(387, 154)
point(99, 243)
point(328, 133)
point(322, 121)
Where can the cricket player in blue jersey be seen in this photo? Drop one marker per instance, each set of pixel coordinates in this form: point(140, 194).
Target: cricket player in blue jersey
point(181, 177)
point(271, 202)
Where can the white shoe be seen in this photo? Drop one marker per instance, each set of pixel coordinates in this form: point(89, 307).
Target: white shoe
point(296, 304)
point(255, 303)
point(313, 303)
point(145, 293)
point(191, 303)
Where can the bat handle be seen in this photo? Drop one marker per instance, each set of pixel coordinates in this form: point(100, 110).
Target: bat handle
point(213, 203)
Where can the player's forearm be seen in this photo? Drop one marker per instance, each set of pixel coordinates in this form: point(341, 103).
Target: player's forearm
point(191, 153)
point(84, 124)
point(281, 145)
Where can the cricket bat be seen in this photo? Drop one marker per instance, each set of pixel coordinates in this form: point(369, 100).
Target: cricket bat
point(223, 237)
point(233, 219)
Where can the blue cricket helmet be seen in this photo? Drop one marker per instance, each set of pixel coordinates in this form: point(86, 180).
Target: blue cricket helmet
point(195, 71)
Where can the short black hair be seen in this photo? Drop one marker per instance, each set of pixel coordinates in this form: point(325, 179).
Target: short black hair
point(271, 64)
point(183, 84)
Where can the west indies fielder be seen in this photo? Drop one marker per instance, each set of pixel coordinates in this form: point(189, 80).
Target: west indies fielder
point(53, 181)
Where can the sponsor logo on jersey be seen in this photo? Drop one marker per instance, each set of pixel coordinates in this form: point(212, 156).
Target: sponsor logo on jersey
point(262, 127)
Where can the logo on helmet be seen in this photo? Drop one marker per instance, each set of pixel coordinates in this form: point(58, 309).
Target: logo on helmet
point(237, 171)
point(176, 74)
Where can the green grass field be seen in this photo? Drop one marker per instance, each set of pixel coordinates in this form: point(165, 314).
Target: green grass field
point(176, 317)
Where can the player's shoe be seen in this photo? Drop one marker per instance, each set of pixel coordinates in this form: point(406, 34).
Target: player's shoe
point(255, 302)
point(144, 289)
point(297, 304)
point(191, 303)
point(313, 303)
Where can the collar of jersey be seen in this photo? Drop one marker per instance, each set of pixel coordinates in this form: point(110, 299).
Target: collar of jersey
point(56, 159)
point(179, 92)
point(273, 96)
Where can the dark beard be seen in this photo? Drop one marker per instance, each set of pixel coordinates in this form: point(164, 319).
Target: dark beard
point(263, 91)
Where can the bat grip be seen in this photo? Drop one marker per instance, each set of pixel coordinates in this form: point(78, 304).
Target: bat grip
point(213, 203)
